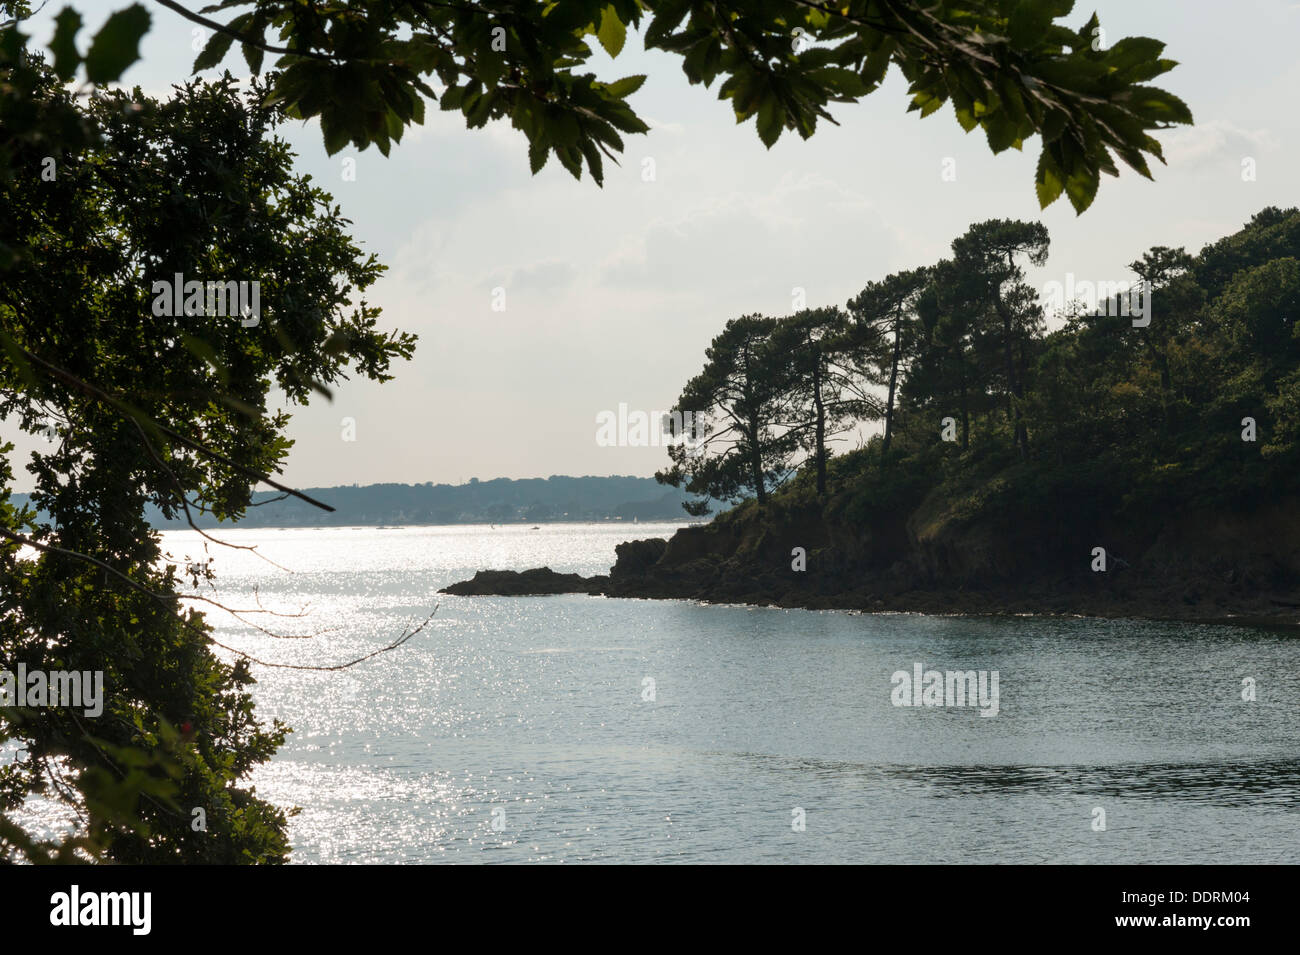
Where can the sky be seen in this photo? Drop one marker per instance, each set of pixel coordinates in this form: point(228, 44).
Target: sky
point(612, 294)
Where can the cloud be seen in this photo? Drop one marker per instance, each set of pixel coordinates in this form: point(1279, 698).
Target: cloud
point(675, 129)
point(1214, 142)
point(547, 276)
point(807, 231)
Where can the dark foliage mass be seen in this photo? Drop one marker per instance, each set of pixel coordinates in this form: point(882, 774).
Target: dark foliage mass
point(1032, 444)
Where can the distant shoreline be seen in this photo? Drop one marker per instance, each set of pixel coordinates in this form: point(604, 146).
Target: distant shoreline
point(502, 501)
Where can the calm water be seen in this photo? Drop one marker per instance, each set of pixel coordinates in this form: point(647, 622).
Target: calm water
point(530, 712)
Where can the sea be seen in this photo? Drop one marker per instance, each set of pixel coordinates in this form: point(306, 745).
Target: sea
point(588, 729)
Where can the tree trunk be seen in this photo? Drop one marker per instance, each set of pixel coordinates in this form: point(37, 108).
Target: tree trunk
point(1161, 361)
point(893, 382)
point(1013, 382)
point(1022, 431)
point(756, 463)
point(965, 415)
point(821, 425)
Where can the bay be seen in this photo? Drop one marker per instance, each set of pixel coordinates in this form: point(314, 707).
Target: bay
point(523, 729)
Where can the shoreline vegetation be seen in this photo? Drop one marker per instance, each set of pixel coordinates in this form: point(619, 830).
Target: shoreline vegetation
point(1118, 466)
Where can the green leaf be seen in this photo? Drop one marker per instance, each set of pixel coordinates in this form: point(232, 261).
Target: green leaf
point(253, 55)
point(668, 14)
point(562, 126)
point(876, 64)
point(571, 159)
point(927, 103)
point(538, 153)
point(1028, 23)
point(965, 110)
point(612, 32)
point(477, 115)
point(66, 57)
point(744, 91)
point(1010, 100)
point(214, 51)
point(965, 118)
point(14, 353)
point(1133, 51)
point(117, 44)
point(452, 98)
point(622, 89)
point(526, 117)
point(1142, 72)
point(626, 120)
point(693, 61)
point(12, 45)
point(1048, 182)
point(394, 125)
point(771, 118)
point(1054, 124)
point(1001, 132)
point(1135, 159)
point(592, 155)
point(1155, 105)
point(841, 81)
point(1081, 187)
point(1083, 39)
point(606, 134)
point(334, 133)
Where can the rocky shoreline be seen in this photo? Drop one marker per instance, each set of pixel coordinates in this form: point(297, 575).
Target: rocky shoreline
point(540, 581)
point(679, 569)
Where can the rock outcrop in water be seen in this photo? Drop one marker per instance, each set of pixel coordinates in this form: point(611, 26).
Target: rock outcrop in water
point(539, 581)
point(1242, 567)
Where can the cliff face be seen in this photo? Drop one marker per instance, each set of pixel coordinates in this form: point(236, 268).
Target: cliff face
point(939, 558)
point(1204, 565)
point(1233, 556)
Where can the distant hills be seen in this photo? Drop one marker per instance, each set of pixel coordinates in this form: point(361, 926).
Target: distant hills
point(499, 501)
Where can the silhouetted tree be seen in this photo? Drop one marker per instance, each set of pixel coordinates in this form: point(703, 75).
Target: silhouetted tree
point(738, 403)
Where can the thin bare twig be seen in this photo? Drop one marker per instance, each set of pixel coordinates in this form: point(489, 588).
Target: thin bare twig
point(185, 504)
point(119, 405)
point(51, 548)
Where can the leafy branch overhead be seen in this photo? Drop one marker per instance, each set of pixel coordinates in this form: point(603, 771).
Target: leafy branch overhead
point(1007, 66)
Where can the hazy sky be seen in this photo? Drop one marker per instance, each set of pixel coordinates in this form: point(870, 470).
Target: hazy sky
point(613, 294)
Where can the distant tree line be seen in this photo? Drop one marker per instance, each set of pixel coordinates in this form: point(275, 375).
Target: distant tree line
point(499, 501)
